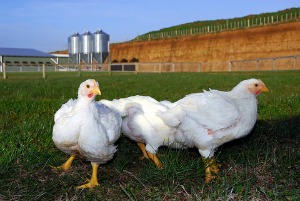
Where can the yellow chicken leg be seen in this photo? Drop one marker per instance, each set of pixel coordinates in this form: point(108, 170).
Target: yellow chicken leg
point(94, 180)
point(66, 166)
point(155, 159)
point(211, 167)
point(143, 148)
point(148, 155)
point(215, 166)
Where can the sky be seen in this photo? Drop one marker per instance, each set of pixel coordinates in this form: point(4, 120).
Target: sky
point(45, 25)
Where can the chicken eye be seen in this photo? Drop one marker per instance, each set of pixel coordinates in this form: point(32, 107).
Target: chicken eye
point(256, 85)
point(88, 86)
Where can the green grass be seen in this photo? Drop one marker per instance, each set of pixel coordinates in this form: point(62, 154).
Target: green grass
point(265, 165)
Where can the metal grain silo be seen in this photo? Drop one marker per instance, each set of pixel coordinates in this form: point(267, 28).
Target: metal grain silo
point(86, 47)
point(100, 46)
point(73, 47)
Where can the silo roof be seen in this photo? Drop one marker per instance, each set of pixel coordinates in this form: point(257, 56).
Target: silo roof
point(22, 52)
point(99, 31)
point(86, 33)
point(75, 35)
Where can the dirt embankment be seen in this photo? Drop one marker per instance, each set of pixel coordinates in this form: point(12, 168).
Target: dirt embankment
point(261, 42)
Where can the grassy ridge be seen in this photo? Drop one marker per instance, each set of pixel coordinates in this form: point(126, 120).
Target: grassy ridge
point(254, 20)
point(264, 165)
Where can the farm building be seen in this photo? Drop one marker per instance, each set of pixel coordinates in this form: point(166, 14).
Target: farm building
point(22, 59)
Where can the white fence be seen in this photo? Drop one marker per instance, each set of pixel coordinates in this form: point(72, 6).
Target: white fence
point(277, 63)
point(225, 25)
point(260, 64)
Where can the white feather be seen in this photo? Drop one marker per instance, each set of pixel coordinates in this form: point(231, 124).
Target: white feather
point(141, 122)
point(87, 128)
point(209, 119)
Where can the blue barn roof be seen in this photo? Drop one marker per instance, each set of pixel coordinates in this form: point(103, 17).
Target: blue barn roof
point(22, 52)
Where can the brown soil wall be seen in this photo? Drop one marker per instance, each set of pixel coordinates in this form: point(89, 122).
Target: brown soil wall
point(260, 42)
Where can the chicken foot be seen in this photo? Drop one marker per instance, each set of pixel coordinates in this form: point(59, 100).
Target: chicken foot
point(147, 154)
point(94, 180)
point(143, 148)
point(211, 169)
point(155, 159)
point(66, 166)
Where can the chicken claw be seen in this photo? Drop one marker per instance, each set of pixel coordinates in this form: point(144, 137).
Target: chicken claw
point(155, 159)
point(66, 166)
point(149, 155)
point(211, 167)
point(94, 180)
point(143, 148)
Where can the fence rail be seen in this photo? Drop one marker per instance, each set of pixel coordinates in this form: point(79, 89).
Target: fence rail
point(224, 25)
point(260, 64)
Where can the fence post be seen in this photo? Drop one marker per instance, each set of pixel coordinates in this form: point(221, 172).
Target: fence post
point(230, 66)
point(160, 67)
point(44, 71)
point(79, 70)
point(243, 65)
point(180, 67)
point(136, 68)
point(4, 71)
point(260, 21)
point(109, 68)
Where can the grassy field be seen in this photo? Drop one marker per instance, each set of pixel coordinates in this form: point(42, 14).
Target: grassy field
point(265, 165)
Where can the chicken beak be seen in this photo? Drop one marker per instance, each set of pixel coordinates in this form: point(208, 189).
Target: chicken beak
point(96, 91)
point(264, 89)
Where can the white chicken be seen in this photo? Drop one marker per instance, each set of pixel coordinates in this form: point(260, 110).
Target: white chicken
point(141, 124)
point(209, 119)
point(88, 129)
